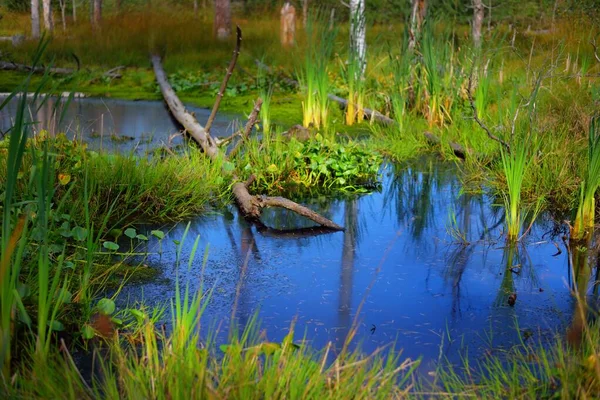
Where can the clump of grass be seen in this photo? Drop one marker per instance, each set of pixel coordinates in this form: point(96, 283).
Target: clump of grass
point(353, 75)
point(437, 78)
point(585, 214)
point(314, 73)
point(266, 94)
point(514, 166)
point(137, 189)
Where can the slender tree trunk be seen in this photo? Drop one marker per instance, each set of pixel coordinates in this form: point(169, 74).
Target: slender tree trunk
point(478, 15)
point(196, 8)
point(63, 19)
point(417, 15)
point(222, 23)
point(35, 19)
point(489, 19)
point(97, 13)
point(74, 11)
point(358, 34)
point(304, 12)
point(48, 20)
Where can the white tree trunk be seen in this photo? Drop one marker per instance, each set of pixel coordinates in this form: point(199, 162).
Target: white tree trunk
point(358, 34)
point(222, 23)
point(419, 9)
point(478, 15)
point(97, 13)
point(74, 11)
point(63, 19)
point(48, 20)
point(35, 19)
point(304, 12)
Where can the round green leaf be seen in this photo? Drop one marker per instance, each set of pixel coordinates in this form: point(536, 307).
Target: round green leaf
point(106, 306)
point(56, 326)
point(158, 234)
point(110, 246)
point(79, 233)
point(87, 332)
point(130, 233)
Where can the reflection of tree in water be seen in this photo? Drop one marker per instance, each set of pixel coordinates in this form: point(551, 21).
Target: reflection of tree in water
point(456, 264)
point(411, 193)
point(584, 282)
point(347, 269)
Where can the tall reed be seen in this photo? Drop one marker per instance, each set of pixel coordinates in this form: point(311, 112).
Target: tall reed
point(585, 214)
point(514, 166)
point(314, 72)
point(353, 75)
point(265, 88)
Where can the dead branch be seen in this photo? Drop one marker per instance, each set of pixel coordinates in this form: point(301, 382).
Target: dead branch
point(478, 120)
point(248, 128)
point(236, 53)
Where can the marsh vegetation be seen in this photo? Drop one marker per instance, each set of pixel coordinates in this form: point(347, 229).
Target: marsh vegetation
point(464, 171)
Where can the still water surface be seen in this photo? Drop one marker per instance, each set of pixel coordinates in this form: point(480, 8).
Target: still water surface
point(430, 293)
point(426, 266)
point(110, 124)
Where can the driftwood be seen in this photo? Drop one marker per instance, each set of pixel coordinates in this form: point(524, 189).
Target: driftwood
point(250, 205)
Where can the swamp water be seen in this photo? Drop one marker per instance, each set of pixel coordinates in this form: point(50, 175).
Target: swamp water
point(110, 124)
point(427, 266)
point(431, 293)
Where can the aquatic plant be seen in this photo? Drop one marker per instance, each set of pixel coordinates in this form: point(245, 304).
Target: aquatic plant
point(310, 165)
point(313, 75)
point(585, 214)
point(482, 91)
point(353, 73)
point(514, 166)
point(437, 78)
point(266, 94)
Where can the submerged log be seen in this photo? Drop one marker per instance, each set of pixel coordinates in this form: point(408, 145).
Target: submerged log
point(250, 205)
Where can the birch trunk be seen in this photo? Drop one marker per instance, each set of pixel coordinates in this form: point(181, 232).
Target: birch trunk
point(304, 12)
point(35, 19)
point(222, 23)
point(417, 15)
point(358, 43)
point(97, 13)
point(63, 19)
point(74, 11)
point(47, 11)
point(478, 15)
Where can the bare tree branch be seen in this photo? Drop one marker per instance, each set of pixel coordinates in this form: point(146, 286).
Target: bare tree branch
point(478, 120)
point(249, 125)
point(236, 53)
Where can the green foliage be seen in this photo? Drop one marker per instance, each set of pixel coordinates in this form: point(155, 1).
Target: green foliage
point(585, 214)
point(293, 165)
point(313, 75)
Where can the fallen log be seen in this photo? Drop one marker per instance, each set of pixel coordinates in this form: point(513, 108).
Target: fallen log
point(458, 150)
point(11, 66)
point(249, 205)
